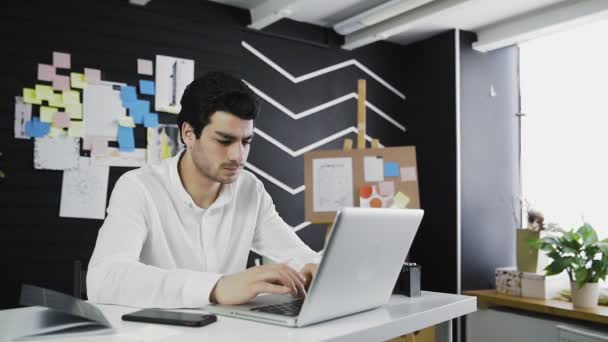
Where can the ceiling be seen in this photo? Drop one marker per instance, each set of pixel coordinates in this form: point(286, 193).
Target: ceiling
point(425, 18)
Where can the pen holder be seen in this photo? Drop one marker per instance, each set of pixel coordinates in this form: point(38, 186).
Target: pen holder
point(408, 282)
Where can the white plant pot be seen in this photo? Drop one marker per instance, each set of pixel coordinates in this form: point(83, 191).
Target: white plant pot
point(586, 296)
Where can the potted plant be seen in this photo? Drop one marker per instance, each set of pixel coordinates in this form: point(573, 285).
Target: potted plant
point(583, 257)
point(528, 257)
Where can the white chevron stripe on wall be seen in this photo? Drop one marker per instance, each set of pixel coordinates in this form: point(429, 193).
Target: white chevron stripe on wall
point(322, 106)
point(319, 72)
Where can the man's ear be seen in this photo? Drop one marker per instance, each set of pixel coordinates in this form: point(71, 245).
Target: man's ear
point(188, 135)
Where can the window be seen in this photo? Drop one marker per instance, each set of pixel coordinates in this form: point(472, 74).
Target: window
point(564, 133)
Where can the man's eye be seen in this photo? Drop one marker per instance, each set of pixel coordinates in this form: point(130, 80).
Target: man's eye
point(225, 142)
point(246, 142)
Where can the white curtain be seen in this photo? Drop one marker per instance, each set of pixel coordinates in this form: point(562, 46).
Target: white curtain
point(564, 94)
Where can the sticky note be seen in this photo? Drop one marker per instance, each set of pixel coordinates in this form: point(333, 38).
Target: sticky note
point(151, 120)
point(127, 94)
point(37, 129)
point(138, 109)
point(77, 80)
point(56, 132)
point(144, 67)
point(56, 101)
point(126, 139)
point(126, 121)
point(373, 168)
point(75, 110)
point(61, 82)
point(391, 169)
point(99, 146)
point(61, 60)
point(386, 189)
point(71, 97)
point(366, 191)
point(146, 87)
point(76, 129)
point(400, 201)
point(92, 75)
point(43, 92)
point(61, 120)
point(29, 96)
point(46, 113)
point(408, 174)
point(46, 72)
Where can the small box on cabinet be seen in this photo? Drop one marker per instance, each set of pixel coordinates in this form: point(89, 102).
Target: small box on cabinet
point(508, 281)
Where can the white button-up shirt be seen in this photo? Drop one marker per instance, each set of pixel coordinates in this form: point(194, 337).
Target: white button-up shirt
point(157, 248)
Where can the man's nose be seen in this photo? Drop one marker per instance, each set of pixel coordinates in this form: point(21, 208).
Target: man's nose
point(237, 153)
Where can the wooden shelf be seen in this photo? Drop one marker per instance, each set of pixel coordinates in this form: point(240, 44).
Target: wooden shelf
point(553, 307)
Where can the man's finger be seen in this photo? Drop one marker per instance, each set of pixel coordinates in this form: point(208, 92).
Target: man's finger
point(296, 278)
point(274, 275)
point(264, 287)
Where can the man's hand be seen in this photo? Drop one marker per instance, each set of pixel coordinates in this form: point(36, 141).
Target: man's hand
point(242, 287)
point(309, 271)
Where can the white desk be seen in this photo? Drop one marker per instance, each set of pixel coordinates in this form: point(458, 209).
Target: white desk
point(402, 315)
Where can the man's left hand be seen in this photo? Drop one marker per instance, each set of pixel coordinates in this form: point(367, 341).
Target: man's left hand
point(309, 271)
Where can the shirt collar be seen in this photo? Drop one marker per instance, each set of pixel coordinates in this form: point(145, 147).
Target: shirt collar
point(224, 197)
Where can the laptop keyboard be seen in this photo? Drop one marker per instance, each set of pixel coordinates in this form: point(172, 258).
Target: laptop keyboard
point(286, 309)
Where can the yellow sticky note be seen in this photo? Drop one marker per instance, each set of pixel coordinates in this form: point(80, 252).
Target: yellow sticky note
point(75, 110)
point(71, 97)
point(44, 92)
point(77, 80)
point(56, 132)
point(46, 113)
point(56, 101)
point(76, 129)
point(400, 201)
point(126, 121)
point(29, 96)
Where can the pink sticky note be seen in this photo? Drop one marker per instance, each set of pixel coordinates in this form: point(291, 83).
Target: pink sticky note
point(92, 75)
point(98, 146)
point(386, 188)
point(46, 72)
point(61, 120)
point(61, 82)
point(144, 67)
point(408, 174)
point(61, 60)
point(87, 142)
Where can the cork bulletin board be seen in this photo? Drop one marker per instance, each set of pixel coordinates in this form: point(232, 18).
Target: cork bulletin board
point(377, 177)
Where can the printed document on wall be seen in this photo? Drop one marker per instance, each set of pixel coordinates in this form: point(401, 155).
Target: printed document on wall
point(83, 192)
point(102, 109)
point(59, 153)
point(332, 183)
point(172, 77)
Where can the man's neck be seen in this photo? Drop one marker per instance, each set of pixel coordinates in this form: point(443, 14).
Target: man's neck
point(203, 190)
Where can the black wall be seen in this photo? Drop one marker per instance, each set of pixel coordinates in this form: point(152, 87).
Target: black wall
point(38, 246)
point(490, 160)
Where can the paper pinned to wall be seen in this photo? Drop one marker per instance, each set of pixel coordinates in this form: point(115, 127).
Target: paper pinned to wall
point(77, 80)
point(71, 97)
point(44, 92)
point(163, 142)
point(373, 168)
point(47, 113)
point(102, 109)
point(146, 87)
point(23, 114)
point(61, 120)
point(145, 67)
point(84, 190)
point(111, 156)
point(332, 183)
point(61, 82)
point(56, 153)
point(76, 129)
point(57, 101)
point(391, 169)
point(29, 96)
point(172, 77)
point(408, 174)
point(75, 110)
point(46, 72)
point(36, 129)
point(61, 60)
point(151, 120)
point(92, 75)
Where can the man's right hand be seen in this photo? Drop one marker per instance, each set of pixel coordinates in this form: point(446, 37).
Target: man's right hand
point(242, 287)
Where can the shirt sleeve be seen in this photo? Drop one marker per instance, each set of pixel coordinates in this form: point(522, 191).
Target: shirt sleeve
point(277, 240)
point(116, 276)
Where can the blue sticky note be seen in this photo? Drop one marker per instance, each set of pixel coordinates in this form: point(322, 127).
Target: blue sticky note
point(391, 169)
point(146, 87)
point(37, 129)
point(128, 94)
point(138, 109)
point(126, 139)
point(151, 120)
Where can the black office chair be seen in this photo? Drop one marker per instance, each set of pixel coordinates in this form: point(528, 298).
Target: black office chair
point(80, 280)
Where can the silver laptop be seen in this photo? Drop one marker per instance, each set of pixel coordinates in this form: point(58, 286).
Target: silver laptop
point(360, 266)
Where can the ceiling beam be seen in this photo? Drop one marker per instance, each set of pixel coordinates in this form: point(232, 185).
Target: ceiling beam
point(270, 11)
point(401, 23)
point(540, 22)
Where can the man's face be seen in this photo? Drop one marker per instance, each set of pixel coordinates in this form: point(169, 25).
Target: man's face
point(222, 148)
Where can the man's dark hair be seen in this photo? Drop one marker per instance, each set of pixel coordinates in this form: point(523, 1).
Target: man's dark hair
point(216, 91)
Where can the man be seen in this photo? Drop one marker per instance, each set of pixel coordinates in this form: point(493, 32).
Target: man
point(178, 234)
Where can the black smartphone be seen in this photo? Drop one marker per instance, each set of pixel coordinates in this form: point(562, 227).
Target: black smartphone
point(170, 317)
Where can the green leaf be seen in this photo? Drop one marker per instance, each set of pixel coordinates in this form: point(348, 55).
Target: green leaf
point(580, 275)
point(602, 246)
point(588, 234)
point(554, 268)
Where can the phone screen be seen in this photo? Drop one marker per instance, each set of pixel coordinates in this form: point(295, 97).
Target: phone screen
point(170, 317)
